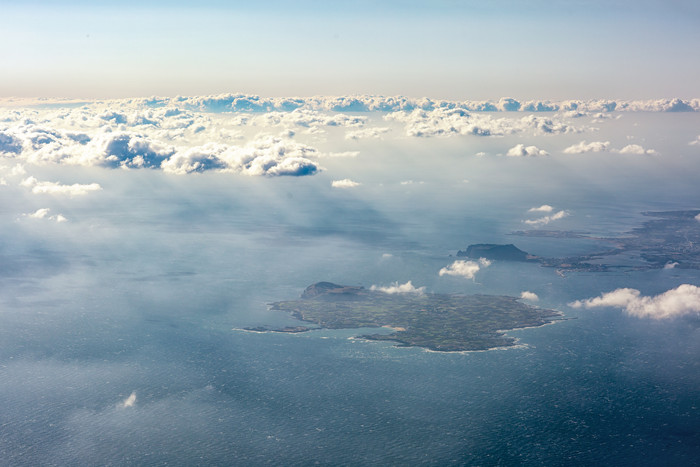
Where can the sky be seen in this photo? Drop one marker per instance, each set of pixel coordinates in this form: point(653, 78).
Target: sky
point(446, 49)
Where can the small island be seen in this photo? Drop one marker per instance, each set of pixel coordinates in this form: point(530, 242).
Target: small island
point(439, 322)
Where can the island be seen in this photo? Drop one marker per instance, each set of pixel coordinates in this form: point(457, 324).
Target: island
point(496, 252)
point(438, 322)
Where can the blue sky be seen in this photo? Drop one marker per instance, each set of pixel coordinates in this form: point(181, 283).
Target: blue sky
point(448, 49)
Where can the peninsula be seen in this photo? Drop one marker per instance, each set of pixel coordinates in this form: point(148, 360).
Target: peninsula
point(437, 322)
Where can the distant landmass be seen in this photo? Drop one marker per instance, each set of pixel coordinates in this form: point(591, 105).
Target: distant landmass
point(437, 322)
point(671, 239)
point(496, 252)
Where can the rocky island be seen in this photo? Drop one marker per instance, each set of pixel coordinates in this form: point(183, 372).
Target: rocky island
point(496, 252)
point(437, 322)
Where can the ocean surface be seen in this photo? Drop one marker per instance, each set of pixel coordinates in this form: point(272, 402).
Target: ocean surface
point(120, 341)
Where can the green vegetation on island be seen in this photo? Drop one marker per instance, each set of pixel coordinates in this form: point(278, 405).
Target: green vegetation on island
point(434, 321)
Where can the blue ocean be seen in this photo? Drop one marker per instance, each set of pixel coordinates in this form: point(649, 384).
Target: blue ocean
point(122, 338)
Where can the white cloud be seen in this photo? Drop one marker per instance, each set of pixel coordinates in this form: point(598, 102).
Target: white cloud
point(520, 150)
point(466, 269)
point(129, 401)
point(271, 156)
point(39, 213)
point(670, 265)
point(56, 189)
point(411, 182)
point(636, 149)
point(397, 288)
point(530, 296)
point(543, 208)
point(366, 133)
point(583, 147)
point(547, 219)
point(481, 154)
point(681, 301)
point(43, 213)
point(449, 121)
point(697, 218)
point(344, 183)
point(695, 142)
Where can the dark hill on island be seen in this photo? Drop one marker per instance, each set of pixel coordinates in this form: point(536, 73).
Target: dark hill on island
point(497, 252)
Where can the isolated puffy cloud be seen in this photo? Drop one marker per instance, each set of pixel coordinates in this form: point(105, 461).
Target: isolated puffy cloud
point(636, 149)
point(695, 142)
point(344, 183)
point(397, 288)
point(56, 189)
point(530, 296)
point(129, 401)
point(681, 301)
point(543, 208)
point(43, 213)
point(547, 219)
point(466, 269)
point(583, 147)
point(520, 150)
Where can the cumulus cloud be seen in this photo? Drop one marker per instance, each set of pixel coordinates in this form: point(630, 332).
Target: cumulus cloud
point(547, 219)
point(530, 296)
point(695, 142)
point(520, 150)
point(56, 189)
point(344, 183)
point(43, 213)
point(268, 156)
point(697, 218)
point(543, 208)
point(670, 265)
point(583, 147)
point(636, 149)
point(681, 301)
point(451, 121)
point(466, 269)
point(397, 288)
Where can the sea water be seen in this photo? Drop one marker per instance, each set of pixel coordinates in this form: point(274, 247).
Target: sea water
point(122, 343)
